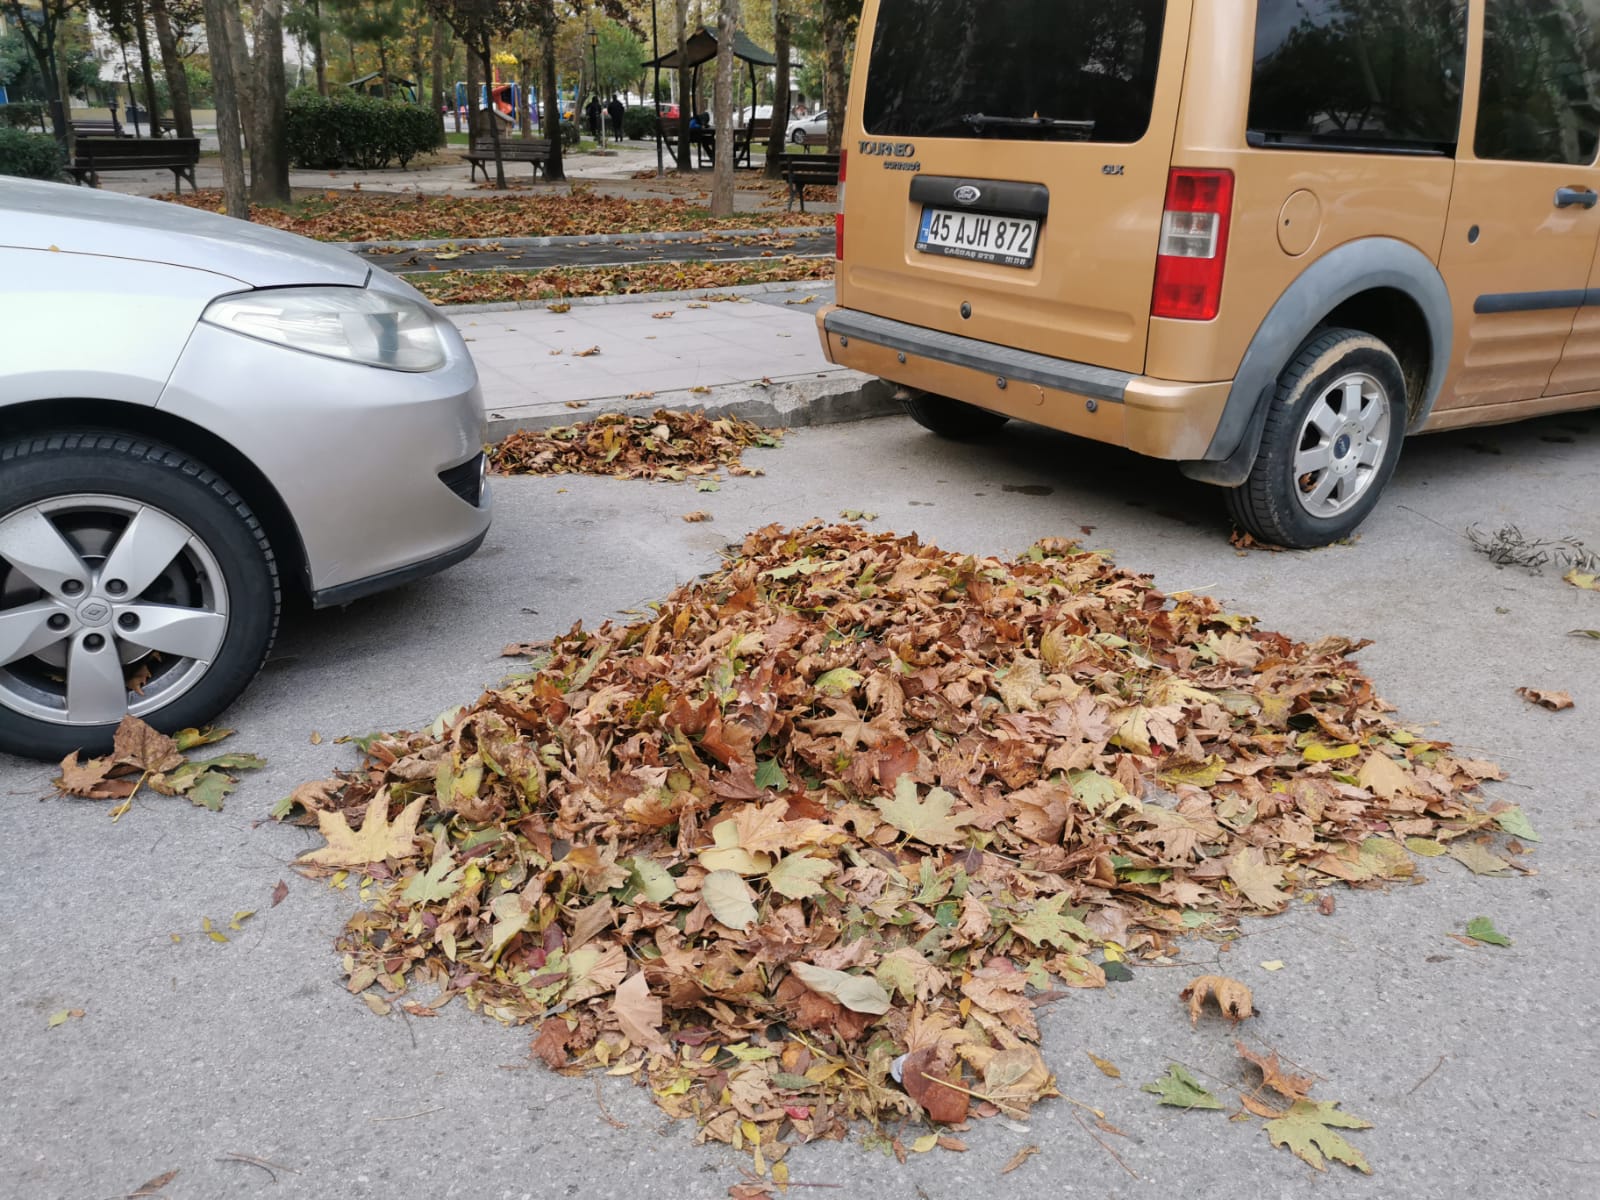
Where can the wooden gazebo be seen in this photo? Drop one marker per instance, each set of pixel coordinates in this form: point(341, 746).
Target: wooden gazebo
point(701, 48)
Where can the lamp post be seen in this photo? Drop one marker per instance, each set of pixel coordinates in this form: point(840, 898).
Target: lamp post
point(655, 92)
point(594, 58)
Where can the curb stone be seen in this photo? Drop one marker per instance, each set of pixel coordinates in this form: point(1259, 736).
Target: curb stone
point(739, 290)
point(590, 239)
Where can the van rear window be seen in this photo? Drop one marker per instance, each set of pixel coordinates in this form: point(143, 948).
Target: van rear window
point(1359, 74)
point(1053, 70)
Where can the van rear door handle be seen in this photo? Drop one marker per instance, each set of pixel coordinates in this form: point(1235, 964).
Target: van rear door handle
point(1566, 197)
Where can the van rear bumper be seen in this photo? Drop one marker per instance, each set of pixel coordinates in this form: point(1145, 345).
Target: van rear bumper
point(1157, 417)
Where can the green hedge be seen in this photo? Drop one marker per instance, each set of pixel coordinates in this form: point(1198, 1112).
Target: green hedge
point(639, 123)
point(361, 132)
point(22, 114)
point(31, 155)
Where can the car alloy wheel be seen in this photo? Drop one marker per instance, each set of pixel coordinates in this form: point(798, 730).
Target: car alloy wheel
point(133, 580)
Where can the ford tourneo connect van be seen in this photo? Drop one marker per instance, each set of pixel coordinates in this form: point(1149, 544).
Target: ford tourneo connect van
point(1265, 238)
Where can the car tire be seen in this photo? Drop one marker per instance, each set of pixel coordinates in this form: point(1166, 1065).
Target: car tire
point(798, 137)
point(186, 632)
point(1330, 443)
point(953, 419)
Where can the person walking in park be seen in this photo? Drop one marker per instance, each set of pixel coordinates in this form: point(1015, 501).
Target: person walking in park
point(615, 111)
point(592, 111)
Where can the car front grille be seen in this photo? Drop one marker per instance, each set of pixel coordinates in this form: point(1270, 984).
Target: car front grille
point(466, 480)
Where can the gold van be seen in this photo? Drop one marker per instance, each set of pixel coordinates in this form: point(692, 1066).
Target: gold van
point(1265, 239)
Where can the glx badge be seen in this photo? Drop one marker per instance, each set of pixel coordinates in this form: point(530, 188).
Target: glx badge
point(967, 194)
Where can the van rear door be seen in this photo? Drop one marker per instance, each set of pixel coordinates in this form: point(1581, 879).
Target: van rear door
point(1008, 164)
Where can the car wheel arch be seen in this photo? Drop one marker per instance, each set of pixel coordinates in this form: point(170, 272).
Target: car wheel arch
point(78, 414)
point(1382, 286)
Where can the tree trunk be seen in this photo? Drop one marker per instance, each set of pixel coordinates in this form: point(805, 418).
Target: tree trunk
point(494, 116)
point(244, 85)
point(383, 68)
point(722, 111)
point(834, 82)
point(316, 47)
point(475, 127)
point(269, 151)
point(225, 85)
point(437, 46)
point(777, 144)
point(172, 67)
point(152, 104)
point(552, 97)
point(685, 101)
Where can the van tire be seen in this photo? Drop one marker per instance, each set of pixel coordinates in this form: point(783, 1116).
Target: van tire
point(953, 419)
point(1329, 445)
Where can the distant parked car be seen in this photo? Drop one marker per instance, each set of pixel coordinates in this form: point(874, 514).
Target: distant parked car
point(810, 131)
point(762, 112)
point(669, 112)
point(196, 414)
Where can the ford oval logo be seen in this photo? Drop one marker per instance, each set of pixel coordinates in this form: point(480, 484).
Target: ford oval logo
point(967, 194)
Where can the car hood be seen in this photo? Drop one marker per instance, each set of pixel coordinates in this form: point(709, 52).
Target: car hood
point(77, 220)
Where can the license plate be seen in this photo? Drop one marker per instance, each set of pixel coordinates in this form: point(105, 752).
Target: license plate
point(1009, 241)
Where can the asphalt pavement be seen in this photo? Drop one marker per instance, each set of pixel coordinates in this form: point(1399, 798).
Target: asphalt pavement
point(245, 1066)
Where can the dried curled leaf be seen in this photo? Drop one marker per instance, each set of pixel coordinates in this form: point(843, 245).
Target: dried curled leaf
point(1232, 997)
point(1554, 701)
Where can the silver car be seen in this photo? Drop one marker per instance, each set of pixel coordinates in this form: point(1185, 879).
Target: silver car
point(196, 413)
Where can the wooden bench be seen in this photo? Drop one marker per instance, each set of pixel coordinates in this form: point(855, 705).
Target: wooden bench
point(535, 151)
point(799, 170)
point(668, 128)
point(97, 127)
point(93, 155)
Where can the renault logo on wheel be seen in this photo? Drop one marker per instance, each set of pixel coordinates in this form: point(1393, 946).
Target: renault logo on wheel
point(967, 194)
point(94, 612)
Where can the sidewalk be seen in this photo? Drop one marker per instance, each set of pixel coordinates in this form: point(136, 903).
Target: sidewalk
point(755, 355)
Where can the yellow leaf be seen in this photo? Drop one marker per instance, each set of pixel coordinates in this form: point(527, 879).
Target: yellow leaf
point(1382, 776)
point(1106, 1067)
point(1274, 964)
point(376, 840)
point(925, 1143)
point(1589, 583)
point(1317, 752)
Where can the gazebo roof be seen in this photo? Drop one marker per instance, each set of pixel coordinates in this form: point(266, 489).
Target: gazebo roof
point(702, 48)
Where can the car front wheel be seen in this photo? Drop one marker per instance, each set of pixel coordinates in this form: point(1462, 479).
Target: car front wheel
point(133, 579)
point(1330, 443)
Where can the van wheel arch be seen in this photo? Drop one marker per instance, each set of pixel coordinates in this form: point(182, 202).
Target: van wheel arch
point(1381, 286)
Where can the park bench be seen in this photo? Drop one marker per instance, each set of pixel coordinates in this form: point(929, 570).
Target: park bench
point(668, 128)
point(93, 155)
point(96, 127)
point(512, 149)
point(800, 170)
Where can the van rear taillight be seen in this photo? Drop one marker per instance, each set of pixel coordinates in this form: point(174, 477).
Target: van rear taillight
point(1194, 245)
point(838, 220)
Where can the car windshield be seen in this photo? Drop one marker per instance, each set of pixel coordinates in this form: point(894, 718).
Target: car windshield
point(1053, 70)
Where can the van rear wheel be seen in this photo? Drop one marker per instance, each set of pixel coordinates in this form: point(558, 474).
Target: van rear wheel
point(1331, 441)
point(954, 419)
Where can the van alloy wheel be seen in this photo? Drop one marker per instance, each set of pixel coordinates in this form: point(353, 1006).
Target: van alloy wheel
point(1329, 443)
point(1341, 445)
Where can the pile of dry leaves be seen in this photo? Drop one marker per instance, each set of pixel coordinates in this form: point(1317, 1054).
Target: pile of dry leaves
point(665, 445)
point(805, 847)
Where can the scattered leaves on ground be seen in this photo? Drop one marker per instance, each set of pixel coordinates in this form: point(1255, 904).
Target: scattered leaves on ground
point(667, 445)
point(1508, 546)
point(1554, 701)
point(494, 287)
point(941, 783)
point(335, 216)
point(140, 757)
point(1481, 929)
point(1180, 1089)
point(1232, 997)
point(1308, 1130)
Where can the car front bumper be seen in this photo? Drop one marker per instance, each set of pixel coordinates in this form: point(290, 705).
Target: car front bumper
point(355, 453)
point(1157, 417)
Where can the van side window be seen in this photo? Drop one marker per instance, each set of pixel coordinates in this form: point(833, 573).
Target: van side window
point(1539, 98)
point(1041, 70)
point(1369, 75)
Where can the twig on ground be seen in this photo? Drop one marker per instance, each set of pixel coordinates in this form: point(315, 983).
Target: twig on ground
point(271, 1168)
point(1429, 1075)
point(1117, 1158)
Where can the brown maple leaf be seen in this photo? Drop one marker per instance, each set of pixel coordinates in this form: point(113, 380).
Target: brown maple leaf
point(1232, 997)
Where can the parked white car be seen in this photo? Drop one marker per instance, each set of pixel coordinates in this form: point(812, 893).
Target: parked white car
point(197, 414)
point(810, 131)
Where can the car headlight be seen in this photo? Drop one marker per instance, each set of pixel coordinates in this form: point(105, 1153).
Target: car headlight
point(379, 329)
